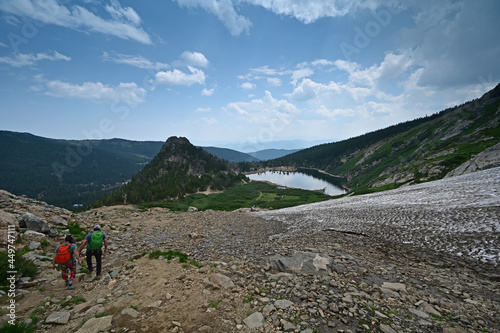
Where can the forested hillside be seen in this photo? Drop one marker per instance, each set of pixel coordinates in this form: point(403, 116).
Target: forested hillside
point(419, 150)
point(179, 169)
point(64, 173)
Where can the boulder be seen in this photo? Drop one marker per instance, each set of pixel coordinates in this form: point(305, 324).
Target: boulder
point(59, 220)
point(33, 236)
point(61, 317)
point(33, 222)
point(304, 262)
point(255, 320)
point(95, 325)
point(222, 281)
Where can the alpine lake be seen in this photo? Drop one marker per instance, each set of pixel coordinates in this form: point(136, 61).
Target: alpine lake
point(306, 180)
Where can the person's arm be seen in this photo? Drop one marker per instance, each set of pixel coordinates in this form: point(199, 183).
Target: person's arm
point(105, 245)
point(54, 260)
point(83, 245)
point(77, 256)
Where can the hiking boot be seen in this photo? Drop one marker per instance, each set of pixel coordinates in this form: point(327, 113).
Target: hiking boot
point(71, 287)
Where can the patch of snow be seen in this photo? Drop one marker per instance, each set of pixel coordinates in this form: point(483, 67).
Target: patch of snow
point(459, 215)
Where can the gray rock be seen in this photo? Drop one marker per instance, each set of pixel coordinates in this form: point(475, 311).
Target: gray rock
point(287, 326)
point(255, 320)
point(33, 222)
point(283, 304)
point(304, 262)
point(31, 235)
point(61, 317)
point(268, 309)
point(59, 220)
point(419, 313)
point(221, 280)
point(95, 325)
point(394, 286)
point(192, 209)
point(131, 312)
point(486, 159)
point(34, 245)
point(386, 329)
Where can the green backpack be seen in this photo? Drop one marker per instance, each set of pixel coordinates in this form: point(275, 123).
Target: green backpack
point(95, 241)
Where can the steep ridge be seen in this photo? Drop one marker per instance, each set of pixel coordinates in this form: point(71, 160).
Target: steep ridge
point(420, 150)
point(178, 169)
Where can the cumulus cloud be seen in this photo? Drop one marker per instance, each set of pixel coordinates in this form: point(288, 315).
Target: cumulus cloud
point(20, 59)
point(189, 58)
point(248, 85)
point(301, 73)
point(263, 110)
point(136, 61)
point(96, 91)
point(124, 22)
point(207, 92)
point(177, 77)
point(393, 66)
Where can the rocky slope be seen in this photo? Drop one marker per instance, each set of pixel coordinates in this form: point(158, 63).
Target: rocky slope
point(255, 277)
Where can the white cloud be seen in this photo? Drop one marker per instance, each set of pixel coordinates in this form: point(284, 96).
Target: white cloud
point(264, 70)
point(301, 73)
point(263, 110)
point(207, 92)
point(207, 121)
point(96, 91)
point(124, 23)
point(248, 85)
point(177, 77)
point(123, 14)
point(136, 61)
point(20, 59)
point(274, 81)
point(307, 11)
point(189, 58)
point(224, 11)
point(208, 109)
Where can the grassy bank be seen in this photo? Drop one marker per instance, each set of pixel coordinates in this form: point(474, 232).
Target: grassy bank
point(256, 194)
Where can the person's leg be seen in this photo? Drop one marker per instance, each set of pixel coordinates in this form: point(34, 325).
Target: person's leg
point(89, 260)
point(64, 275)
point(72, 274)
point(98, 260)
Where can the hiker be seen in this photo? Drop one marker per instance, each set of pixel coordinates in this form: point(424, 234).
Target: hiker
point(95, 240)
point(66, 256)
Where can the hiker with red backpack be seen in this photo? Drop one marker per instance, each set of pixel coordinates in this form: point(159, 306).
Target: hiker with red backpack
point(95, 240)
point(66, 256)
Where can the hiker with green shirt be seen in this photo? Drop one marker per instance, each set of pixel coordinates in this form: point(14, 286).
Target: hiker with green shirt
point(66, 256)
point(94, 242)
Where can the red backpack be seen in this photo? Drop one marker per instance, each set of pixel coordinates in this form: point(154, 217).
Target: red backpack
point(63, 255)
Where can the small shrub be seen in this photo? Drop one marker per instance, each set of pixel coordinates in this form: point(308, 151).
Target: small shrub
point(18, 328)
point(74, 300)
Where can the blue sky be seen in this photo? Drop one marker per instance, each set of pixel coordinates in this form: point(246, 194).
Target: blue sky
point(239, 73)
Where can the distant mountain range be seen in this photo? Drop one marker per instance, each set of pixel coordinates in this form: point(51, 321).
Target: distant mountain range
point(65, 172)
point(68, 172)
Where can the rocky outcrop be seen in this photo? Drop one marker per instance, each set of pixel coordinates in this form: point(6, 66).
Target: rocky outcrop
point(489, 158)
